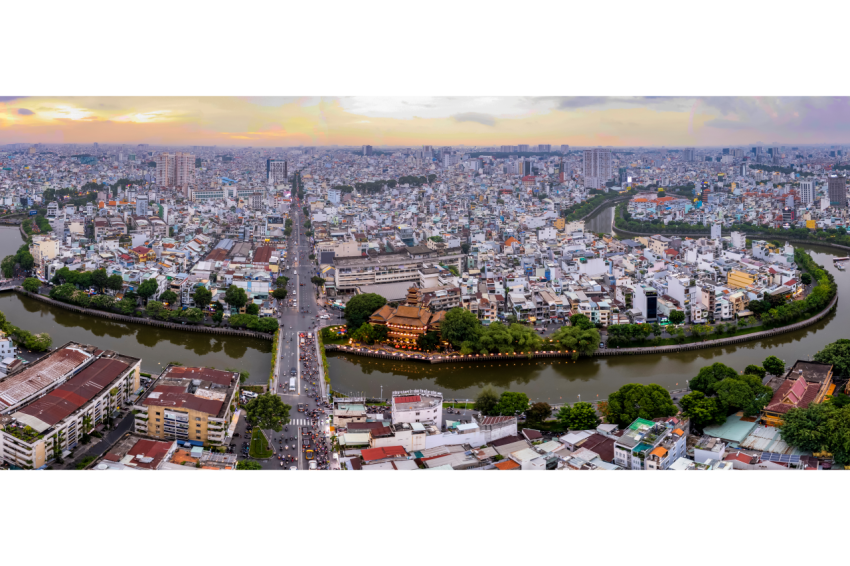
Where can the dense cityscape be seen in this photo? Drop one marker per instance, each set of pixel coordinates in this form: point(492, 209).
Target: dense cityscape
point(437, 255)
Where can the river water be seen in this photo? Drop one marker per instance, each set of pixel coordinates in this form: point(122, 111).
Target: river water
point(155, 346)
point(589, 378)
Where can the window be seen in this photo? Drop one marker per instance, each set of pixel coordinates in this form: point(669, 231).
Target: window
point(157, 413)
point(197, 418)
point(198, 425)
point(157, 420)
point(417, 414)
point(198, 436)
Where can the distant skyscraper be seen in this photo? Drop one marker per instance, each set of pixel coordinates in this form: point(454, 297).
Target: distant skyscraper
point(142, 205)
point(522, 148)
point(807, 192)
point(176, 170)
point(367, 150)
point(725, 151)
point(624, 175)
point(526, 167)
point(837, 191)
point(276, 171)
point(565, 148)
point(597, 167)
point(544, 147)
point(689, 154)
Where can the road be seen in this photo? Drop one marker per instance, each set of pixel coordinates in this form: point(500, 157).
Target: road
point(290, 351)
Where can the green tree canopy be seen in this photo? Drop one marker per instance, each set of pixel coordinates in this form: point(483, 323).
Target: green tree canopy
point(248, 465)
point(168, 296)
point(114, 282)
point(202, 297)
point(581, 321)
point(837, 354)
point(755, 370)
point(458, 326)
point(280, 293)
point(583, 417)
point(709, 376)
point(677, 317)
point(539, 412)
point(743, 393)
point(486, 401)
point(253, 308)
point(268, 412)
point(31, 285)
point(236, 297)
point(635, 400)
point(99, 279)
point(194, 315)
point(147, 289)
point(360, 307)
point(511, 403)
point(702, 410)
point(564, 414)
point(774, 365)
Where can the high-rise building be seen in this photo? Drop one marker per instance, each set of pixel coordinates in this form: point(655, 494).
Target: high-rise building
point(522, 147)
point(624, 175)
point(142, 205)
point(837, 191)
point(505, 149)
point(565, 148)
point(597, 167)
point(276, 171)
point(367, 150)
point(689, 154)
point(807, 192)
point(544, 147)
point(725, 151)
point(526, 167)
point(176, 170)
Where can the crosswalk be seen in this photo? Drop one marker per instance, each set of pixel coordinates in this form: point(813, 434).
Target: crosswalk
point(300, 422)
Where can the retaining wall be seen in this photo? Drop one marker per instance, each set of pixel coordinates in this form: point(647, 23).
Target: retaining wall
point(146, 321)
point(671, 349)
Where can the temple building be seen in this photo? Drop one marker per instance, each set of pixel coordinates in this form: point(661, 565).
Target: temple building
point(807, 383)
point(406, 323)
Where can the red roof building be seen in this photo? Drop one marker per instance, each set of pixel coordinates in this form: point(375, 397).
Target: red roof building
point(375, 454)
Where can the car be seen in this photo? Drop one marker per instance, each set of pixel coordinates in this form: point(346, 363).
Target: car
point(601, 344)
point(313, 465)
point(293, 371)
point(293, 468)
point(309, 455)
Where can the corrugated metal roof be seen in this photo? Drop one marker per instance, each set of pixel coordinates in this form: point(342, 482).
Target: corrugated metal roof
point(40, 375)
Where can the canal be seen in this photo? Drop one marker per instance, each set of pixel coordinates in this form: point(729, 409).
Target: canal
point(155, 346)
point(591, 378)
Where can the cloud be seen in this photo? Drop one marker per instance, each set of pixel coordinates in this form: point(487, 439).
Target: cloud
point(9, 98)
point(25, 112)
point(478, 117)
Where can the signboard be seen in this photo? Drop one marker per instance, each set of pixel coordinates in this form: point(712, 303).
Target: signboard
point(33, 212)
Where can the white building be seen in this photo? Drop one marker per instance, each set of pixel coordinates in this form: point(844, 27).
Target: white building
point(597, 167)
point(417, 405)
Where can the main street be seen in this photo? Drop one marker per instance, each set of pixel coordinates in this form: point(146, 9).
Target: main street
point(294, 320)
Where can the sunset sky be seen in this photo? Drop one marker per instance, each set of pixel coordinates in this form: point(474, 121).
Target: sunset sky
point(293, 121)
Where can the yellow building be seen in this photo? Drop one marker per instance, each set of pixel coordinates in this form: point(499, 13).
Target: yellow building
point(189, 404)
point(739, 279)
point(559, 224)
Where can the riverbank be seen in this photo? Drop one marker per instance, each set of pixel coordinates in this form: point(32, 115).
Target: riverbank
point(603, 352)
point(145, 321)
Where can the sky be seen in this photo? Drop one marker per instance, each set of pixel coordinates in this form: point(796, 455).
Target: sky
point(426, 120)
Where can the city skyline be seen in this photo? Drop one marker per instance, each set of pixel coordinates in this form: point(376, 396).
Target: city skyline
point(405, 121)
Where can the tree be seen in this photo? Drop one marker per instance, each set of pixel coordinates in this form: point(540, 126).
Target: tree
point(241, 320)
point(248, 465)
point(268, 411)
point(583, 417)
point(153, 308)
point(168, 297)
point(837, 354)
point(702, 410)
point(486, 401)
point(677, 317)
point(194, 315)
point(38, 342)
point(115, 282)
point(428, 341)
point(709, 376)
point(317, 281)
point(281, 281)
point(31, 285)
point(361, 307)
point(217, 316)
point(202, 297)
point(8, 266)
point(581, 321)
point(773, 365)
point(755, 370)
point(102, 302)
point(127, 306)
point(63, 292)
point(280, 293)
point(511, 403)
point(539, 412)
point(459, 326)
point(564, 415)
point(147, 289)
point(26, 260)
point(806, 279)
point(253, 308)
point(99, 279)
point(743, 393)
point(635, 400)
point(806, 429)
point(236, 297)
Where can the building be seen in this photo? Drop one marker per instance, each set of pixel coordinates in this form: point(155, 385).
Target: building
point(646, 300)
point(689, 154)
point(334, 195)
point(354, 272)
point(648, 445)
point(195, 405)
point(544, 147)
point(367, 150)
point(176, 170)
point(48, 406)
point(806, 192)
point(837, 188)
point(276, 171)
point(142, 205)
point(597, 167)
point(807, 383)
point(417, 405)
point(406, 323)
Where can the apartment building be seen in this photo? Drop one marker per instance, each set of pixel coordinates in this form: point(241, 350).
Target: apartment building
point(177, 170)
point(192, 404)
point(50, 404)
point(390, 268)
point(648, 445)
